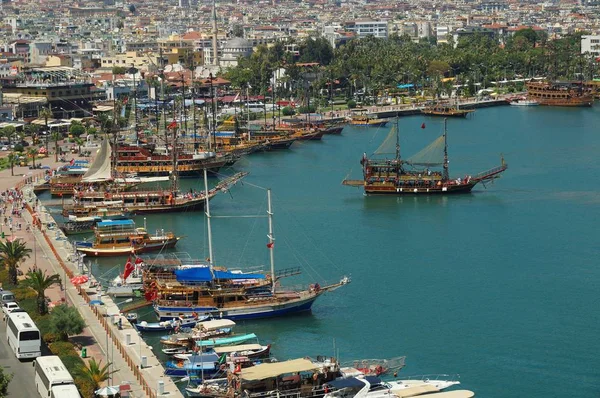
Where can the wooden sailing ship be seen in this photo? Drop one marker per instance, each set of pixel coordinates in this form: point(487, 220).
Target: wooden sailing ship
point(360, 118)
point(202, 288)
point(139, 201)
point(121, 238)
point(144, 162)
point(445, 110)
point(560, 93)
point(416, 175)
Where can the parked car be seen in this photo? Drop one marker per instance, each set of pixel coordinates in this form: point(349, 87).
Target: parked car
point(6, 296)
point(4, 148)
point(9, 307)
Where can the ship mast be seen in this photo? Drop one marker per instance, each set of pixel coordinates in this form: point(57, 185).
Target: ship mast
point(446, 175)
point(174, 173)
point(271, 240)
point(397, 138)
point(207, 212)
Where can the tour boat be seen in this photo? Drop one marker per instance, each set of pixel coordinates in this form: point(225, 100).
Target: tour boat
point(173, 324)
point(416, 175)
point(121, 237)
point(524, 102)
point(560, 93)
point(231, 295)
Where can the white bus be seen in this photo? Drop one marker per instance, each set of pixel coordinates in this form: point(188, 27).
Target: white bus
point(52, 379)
point(23, 336)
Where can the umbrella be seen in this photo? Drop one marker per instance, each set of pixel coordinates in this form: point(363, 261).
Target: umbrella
point(108, 391)
point(79, 279)
point(96, 302)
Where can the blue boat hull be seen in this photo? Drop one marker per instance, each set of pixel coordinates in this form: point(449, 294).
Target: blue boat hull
point(182, 372)
point(266, 311)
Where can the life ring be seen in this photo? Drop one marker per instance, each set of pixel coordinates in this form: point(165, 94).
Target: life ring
point(153, 285)
point(189, 304)
point(238, 368)
point(223, 367)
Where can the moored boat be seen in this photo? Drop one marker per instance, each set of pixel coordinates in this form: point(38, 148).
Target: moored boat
point(445, 110)
point(572, 94)
point(524, 102)
point(121, 237)
point(416, 176)
point(173, 324)
point(238, 295)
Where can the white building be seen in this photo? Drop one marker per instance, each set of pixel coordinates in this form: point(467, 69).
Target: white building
point(590, 44)
point(364, 28)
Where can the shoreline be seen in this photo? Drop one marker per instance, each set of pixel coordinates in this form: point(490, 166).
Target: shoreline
point(52, 253)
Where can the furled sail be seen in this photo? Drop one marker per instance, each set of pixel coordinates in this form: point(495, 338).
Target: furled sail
point(388, 146)
point(431, 155)
point(100, 170)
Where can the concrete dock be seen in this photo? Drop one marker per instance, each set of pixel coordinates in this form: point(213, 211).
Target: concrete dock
point(124, 348)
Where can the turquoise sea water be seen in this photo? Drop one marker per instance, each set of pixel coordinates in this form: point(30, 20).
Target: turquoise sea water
point(500, 286)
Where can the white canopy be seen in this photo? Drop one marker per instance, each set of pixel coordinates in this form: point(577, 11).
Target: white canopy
point(269, 370)
point(237, 348)
point(215, 324)
point(100, 170)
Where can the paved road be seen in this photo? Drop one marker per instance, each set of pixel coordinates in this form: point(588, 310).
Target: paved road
point(22, 384)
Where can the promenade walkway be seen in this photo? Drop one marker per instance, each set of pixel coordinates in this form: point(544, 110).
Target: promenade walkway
point(103, 340)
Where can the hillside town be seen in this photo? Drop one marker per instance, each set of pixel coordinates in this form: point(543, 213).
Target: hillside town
point(88, 52)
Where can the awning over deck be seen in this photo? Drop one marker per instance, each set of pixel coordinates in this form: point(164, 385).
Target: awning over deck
point(269, 370)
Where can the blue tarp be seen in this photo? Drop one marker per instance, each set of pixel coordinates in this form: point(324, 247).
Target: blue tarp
point(410, 85)
point(196, 274)
point(109, 223)
point(202, 274)
point(231, 275)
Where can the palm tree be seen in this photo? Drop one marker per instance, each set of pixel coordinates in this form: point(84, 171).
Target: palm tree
point(12, 253)
point(8, 132)
point(47, 114)
point(33, 152)
point(95, 373)
point(56, 136)
point(38, 281)
point(12, 158)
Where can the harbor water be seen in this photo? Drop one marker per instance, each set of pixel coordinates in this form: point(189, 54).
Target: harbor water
point(500, 286)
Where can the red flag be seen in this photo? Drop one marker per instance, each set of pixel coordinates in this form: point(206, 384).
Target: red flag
point(423, 125)
point(151, 295)
point(138, 260)
point(72, 162)
point(172, 125)
point(129, 267)
point(125, 100)
point(270, 245)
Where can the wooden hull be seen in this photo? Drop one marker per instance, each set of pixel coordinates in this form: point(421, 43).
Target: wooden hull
point(126, 250)
point(281, 144)
point(446, 114)
point(398, 191)
point(335, 130)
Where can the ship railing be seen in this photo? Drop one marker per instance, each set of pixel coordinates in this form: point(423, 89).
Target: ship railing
point(433, 376)
point(291, 393)
point(287, 272)
point(485, 175)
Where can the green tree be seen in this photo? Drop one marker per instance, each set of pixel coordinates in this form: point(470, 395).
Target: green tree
point(32, 152)
point(65, 321)
point(5, 379)
point(46, 114)
point(12, 158)
point(76, 128)
point(11, 255)
point(94, 373)
point(119, 70)
point(39, 281)
point(56, 136)
point(9, 132)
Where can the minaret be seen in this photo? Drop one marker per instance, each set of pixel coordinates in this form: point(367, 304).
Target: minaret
point(214, 34)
